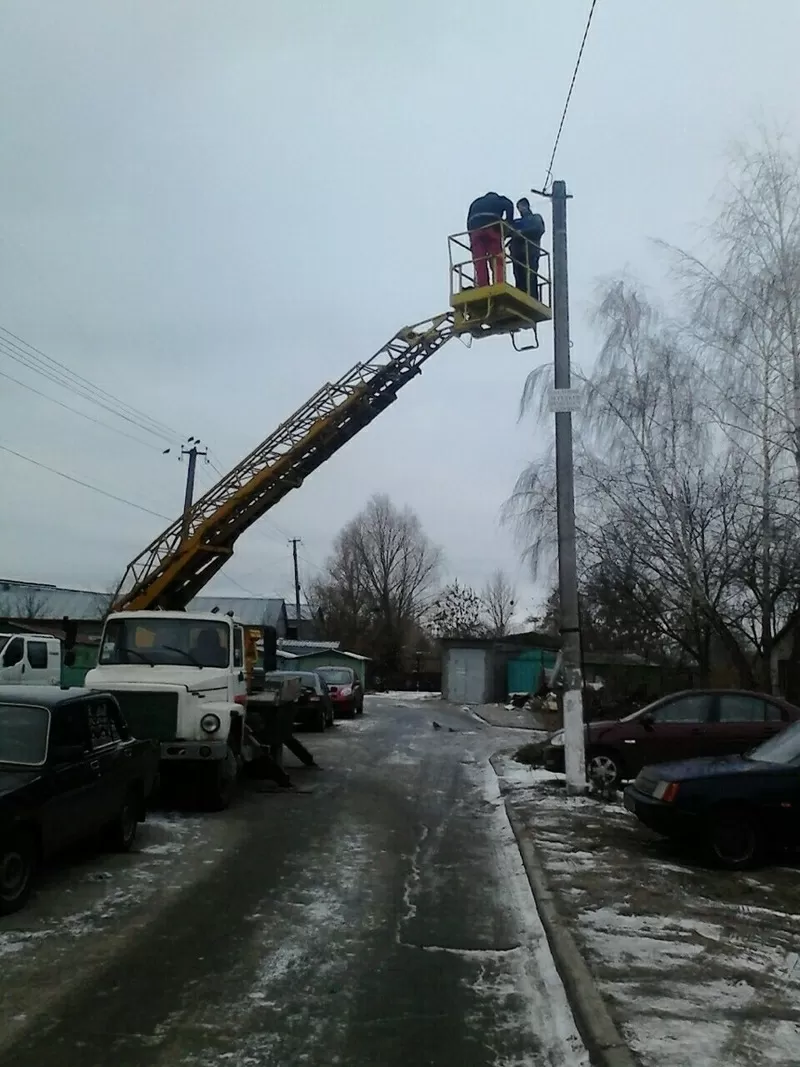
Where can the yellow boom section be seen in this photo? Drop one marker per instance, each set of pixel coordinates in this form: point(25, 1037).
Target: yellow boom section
point(171, 571)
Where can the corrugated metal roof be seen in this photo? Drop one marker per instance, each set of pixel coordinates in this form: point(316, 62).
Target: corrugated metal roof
point(305, 612)
point(252, 611)
point(34, 600)
point(339, 652)
point(302, 648)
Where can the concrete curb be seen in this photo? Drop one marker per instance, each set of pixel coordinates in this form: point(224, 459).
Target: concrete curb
point(605, 1044)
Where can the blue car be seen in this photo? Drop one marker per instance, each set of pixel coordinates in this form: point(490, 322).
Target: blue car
point(738, 807)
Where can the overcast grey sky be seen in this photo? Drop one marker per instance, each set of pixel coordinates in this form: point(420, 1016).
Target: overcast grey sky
point(209, 209)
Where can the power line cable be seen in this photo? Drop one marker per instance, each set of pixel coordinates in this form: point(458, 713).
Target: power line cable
point(569, 95)
point(20, 343)
point(37, 361)
point(110, 496)
point(82, 414)
point(86, 485)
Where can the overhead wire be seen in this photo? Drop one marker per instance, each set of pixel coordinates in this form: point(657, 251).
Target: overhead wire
point(86, 485)
point(81, 414)
point(110, 496)
point(577, 67)
point(34, 359)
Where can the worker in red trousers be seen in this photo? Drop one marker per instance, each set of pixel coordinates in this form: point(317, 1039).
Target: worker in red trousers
point(484, 220)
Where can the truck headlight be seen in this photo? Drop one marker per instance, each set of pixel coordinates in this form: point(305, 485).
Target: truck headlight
point(557, 740)
point(210, 723)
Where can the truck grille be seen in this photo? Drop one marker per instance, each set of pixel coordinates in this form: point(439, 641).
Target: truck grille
point(149, 715)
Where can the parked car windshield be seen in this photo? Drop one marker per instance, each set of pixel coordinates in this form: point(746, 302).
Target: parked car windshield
point(23, 735)
point(783, 748)
point(337, 675)
point(188, 642)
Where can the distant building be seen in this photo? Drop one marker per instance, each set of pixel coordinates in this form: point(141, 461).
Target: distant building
point(307, 627)
point(42, 607)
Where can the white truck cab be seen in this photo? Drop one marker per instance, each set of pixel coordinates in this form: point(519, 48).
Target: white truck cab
point(179, 678)
point(30, 659)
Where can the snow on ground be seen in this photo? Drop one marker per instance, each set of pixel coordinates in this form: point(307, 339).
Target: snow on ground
point(534, 969)
point(400, 694)
point(698, 966)
point(85, 892)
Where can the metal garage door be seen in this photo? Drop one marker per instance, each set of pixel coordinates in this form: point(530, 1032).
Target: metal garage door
point(466, 676)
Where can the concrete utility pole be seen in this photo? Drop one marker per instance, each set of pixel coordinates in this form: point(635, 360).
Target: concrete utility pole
point(192, 453)
point(295, 541)
point(574, 748)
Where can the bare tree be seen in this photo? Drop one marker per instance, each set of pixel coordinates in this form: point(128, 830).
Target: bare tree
point(657, 492)
point(380, 580)
point(104, 602)
point(457, 612)
point(30, 605)
point(498, 603)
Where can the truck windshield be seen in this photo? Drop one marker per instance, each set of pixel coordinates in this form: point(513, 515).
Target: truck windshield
point(23, 735)
point(152, 641)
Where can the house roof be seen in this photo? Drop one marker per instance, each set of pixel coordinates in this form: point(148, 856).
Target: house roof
point(305, 648)
point(339, 652)
point(38, 600)
point(306, 612)
point(250, 610)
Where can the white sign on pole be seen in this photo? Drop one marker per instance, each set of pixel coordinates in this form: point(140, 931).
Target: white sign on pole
point(565, 399)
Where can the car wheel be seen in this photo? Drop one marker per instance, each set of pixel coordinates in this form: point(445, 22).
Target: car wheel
point(603, 768)
point(361, 708)
point(320, 721)
point(122, 832)
point(17, 863)
point(733, 838)
point(221, 784)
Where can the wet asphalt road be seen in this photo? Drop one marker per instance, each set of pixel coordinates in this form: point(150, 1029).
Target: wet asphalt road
point(378, 919)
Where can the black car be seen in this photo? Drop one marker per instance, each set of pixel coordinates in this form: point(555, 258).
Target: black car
point(69, 769)
point(737, 806)
point(314, 708)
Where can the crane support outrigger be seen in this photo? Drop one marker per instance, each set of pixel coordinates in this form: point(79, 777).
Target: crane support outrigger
point(194, 702)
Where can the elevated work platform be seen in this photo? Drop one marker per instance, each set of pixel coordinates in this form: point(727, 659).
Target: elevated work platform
point(498, 307)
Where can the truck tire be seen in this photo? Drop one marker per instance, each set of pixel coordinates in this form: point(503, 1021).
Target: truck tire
point(17, 864)
point(220, 785)
point(122, 832)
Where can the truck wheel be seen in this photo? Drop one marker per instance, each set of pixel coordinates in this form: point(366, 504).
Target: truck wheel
point(17, 863)
point(221, 783)
point(122, 832)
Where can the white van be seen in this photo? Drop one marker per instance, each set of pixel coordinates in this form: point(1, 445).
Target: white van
point(30, 659)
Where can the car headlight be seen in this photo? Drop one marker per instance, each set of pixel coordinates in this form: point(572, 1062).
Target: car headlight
point(557, 740)
point(210, 723)
point(347, 691)
point(666, 791)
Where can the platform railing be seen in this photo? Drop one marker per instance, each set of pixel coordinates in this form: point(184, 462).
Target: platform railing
point(463, 272)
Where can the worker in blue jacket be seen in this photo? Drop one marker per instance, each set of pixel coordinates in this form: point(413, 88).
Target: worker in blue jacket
point(525, 248)
point(484, 220)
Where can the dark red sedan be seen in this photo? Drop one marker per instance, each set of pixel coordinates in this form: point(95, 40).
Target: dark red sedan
point(344, 688)
point(698, 722)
